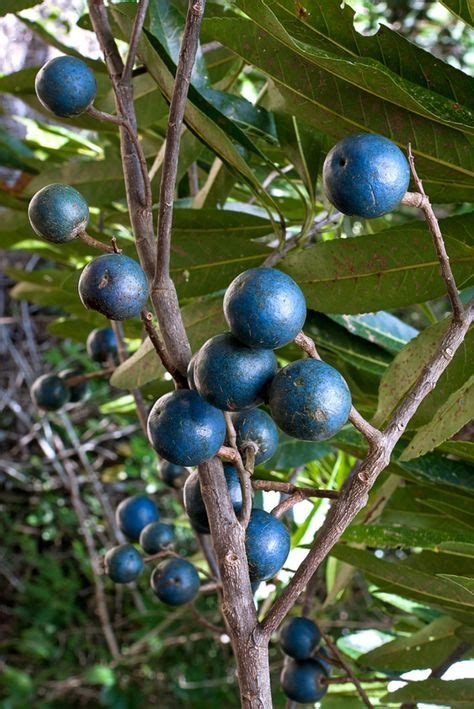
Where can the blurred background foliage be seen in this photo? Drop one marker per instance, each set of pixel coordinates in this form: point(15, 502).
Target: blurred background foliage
point(396, 594)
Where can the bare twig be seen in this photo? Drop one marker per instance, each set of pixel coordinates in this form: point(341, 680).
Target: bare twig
point(342, 661)
point(242, 471)
point(204, 622)
point(160, 349)
point(421, 200)
point(95, 243)
point(134, 39)
point(290, 489)
point(76, 379)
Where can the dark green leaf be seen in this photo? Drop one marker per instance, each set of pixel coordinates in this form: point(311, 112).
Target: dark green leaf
point(464, 9)
point(452, 693)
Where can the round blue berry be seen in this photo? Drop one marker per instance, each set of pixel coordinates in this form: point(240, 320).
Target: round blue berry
point(185, 429)
point(114, 285)
point(58, 213)
point(304, 681)
point(299, 638)
point(66, 86)
point(264, 308)
point(134, 513)
point(175, 582)
point(256, 426)
point(267, 543)
point(156, 536)
point(77, 392)
point(102, 344)
point(49, 392)
point(194, 504)
point(365, 175)
point(123, 563)
point(232, 376)
point(310, 400)
point(172, 475)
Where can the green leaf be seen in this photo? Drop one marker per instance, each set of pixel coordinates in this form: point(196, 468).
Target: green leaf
point(17, 5)
point(426, 648)
point(381, 535)
point(303, 147)
point(407, 366)
point(464, 9)
point(382, 328)
point(457, 411)
point(464, 581)
point(400, 578)
point(393, 268)
point(336, 107)
point(452, 693)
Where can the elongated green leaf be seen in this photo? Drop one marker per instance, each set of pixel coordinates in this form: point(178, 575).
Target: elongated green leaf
point(426, 648)
point(381, 535)
point(459, 449)
point(336, 107)
point(448, 420)
point(407, 366)
point(17, 5)
point(382, 328)
point(407, 581)
point(464, 9)
point(363, 72)
point(465, 582)
point(452, 693)
point(304, 148)
point(393, 268)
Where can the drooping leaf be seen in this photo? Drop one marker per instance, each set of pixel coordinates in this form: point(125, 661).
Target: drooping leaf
point(457, 411)
point(452, 693)
point(382, 328)
point(464, 9)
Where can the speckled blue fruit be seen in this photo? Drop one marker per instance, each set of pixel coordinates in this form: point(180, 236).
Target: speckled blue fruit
point(134, 513)
point(78, 392)
point(264, 308)
point(267, 543)
point(304, 681)
point(173, 475)
point(322, 657)
point(49, 392)
point(123, 563)
point(102, 344)
point(156, 536)
point(114, 285)
point(365, 175)
point(194, 504)
point(190, 372)
point(185, 429)
point(310, 400)
point(232, 376)
point(66, 86)
point(175, 582)
point(58, 213)
point(299, 638)
point(256, 426)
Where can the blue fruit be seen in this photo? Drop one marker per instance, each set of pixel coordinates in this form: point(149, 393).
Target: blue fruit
point(185, 429)
point(232, 376)
point(66, 86)
point(365, 175)
point(102, 344)
point(310, 400)
point(256, 426)
point(175, 582)
point(58, 213)
point(299, 638)
point(267, 543)
point(173, 475)
point(304, 681)
point(49, 392)
point(190, 372)
point(134, 513)
point(78, 392)
point(264, 308)
point(123, 563)
point(194, 504)
point(156, 536)
point(114, 285)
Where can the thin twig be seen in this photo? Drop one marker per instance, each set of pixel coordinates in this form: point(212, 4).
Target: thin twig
point(422, 201)
point(342, 660)
point(160, 349)
point(76, 379)
point(290, 489)
point(204, 622)
point(134, 39)
point(95, 243)
point(243, 473)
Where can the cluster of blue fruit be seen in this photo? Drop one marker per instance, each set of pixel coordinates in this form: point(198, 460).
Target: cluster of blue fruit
point(306, 671)
point(51, 392)
point(175, 581)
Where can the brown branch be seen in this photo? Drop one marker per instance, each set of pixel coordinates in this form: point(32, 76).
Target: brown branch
point(134, 39)
point(290, 489)
point(76, 379)
point(244, 475)
point(160, 349)
point(95, 243)
point(421, 200)
point(204, 622)
point(163, 289)
point(345, 665)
